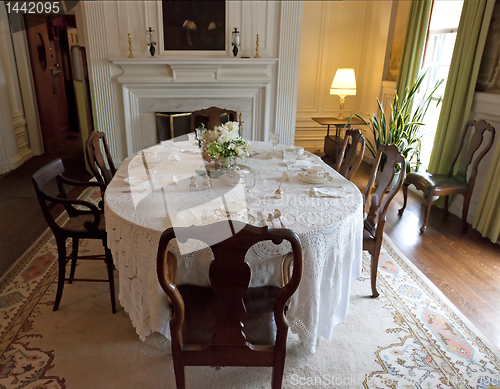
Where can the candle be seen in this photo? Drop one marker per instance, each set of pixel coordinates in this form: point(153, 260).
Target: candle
point(128, 20)
point(257, 17)
point(235, 18)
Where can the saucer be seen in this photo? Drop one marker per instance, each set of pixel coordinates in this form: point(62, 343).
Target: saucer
point(135, 180)
point(245, 219)
point(233, 209)
point(309, 180)
point(306, 155)
point(224, 178)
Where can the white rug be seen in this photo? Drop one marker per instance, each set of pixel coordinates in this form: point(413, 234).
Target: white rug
point(410, 337)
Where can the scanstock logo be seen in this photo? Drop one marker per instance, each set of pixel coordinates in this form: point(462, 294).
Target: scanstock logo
point(26, 14)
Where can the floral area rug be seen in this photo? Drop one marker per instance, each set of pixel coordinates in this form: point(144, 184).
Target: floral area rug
point(410, 337)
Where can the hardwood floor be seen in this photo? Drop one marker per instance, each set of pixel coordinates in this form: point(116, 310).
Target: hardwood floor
point(22, 220)
point(464, 266)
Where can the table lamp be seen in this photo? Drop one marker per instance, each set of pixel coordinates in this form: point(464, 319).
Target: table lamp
point(344, 84)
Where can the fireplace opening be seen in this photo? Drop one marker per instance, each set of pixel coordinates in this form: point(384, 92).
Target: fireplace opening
point(170, 125)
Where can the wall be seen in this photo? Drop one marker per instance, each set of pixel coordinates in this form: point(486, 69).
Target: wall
point(14, 147)
point(106, 24)
point(347, 34)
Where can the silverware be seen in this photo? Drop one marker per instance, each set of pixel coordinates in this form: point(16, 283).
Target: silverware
point(270, 219)
point(277, 215)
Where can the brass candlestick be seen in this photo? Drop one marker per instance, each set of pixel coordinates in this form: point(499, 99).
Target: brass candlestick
point(257, 48)
point(131, 55)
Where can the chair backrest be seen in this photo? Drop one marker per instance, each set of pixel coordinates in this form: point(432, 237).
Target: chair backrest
point(96, 160)
point(229, 276)
point(211, 117)
point(382, 197)
point(349, 159)
point(40, 180)
point(463, 157)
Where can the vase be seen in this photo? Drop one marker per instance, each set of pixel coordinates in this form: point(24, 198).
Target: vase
point(225, 163)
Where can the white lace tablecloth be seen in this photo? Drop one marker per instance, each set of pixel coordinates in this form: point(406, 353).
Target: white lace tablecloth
point(151, 191)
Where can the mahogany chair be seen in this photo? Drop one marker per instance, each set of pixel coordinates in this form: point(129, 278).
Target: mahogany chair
point(96, 160)
point(349, 159)
point(455, 182)
point(211, 117)
point(228, 323)
point(378, 202)
point(86, 221)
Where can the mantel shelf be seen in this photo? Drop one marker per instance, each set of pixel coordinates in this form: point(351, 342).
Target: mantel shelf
point(233, 62)
point(194, 70)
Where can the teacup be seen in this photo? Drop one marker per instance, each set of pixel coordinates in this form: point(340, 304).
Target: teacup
point(234, 177)
point(299, 150)
point(232, 210)
point(316, 172)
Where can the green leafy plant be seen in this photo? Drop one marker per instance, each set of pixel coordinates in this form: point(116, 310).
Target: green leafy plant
point(402, 128)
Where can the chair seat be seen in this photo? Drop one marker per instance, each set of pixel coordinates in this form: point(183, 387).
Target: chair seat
point(199, 324)
point(437, 183)
point(76, 224)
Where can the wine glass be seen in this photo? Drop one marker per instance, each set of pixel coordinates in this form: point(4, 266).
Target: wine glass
point(274, 137)
point(249, 182)
point(200, 131)
point(289, 157)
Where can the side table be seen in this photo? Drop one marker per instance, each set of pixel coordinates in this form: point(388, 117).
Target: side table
point(333, 143)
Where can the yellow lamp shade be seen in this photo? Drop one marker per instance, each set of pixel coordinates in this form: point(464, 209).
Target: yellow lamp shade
point(344, 83)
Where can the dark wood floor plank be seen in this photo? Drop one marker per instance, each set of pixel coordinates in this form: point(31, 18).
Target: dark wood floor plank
point(464, 266)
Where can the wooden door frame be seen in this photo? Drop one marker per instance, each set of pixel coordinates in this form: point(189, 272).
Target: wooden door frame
point(27, 86)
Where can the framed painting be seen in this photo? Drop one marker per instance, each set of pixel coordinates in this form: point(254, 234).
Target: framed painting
point(194, 25)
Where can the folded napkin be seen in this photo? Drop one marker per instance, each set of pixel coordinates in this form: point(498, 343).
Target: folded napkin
point(174, 157)
point(185, 218)
point(330, 192)
point(304, 163)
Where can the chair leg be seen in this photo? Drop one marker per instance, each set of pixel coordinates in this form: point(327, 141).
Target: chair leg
point(74, 254)
point(465, 209)
point(428, 204)
point(374, 271)
point(111, 278)
point(180, 378)
point(61, 253)
point(405, 198)
point(277, 376)
point(446, 203)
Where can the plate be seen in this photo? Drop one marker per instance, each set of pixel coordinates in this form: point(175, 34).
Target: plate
point(136, 180)
point(245, 219)
point(225, 180)
point(309, 180)
point(306, 155)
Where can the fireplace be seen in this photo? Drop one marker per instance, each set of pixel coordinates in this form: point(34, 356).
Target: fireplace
point(160, 85)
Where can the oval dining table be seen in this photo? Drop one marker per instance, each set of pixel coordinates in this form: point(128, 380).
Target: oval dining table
point(155, 189)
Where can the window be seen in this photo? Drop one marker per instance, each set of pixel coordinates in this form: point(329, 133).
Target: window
point(442, 33)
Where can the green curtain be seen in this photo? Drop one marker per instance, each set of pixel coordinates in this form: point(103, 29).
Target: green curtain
point(459, 92)
point(413, 50)
point(487, 219)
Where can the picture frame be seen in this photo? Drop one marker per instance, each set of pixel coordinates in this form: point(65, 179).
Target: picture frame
point(194, 25)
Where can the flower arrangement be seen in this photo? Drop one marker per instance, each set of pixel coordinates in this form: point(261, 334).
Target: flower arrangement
point(224, 142)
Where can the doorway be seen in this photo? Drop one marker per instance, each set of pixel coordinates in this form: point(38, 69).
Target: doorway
point(49, 44)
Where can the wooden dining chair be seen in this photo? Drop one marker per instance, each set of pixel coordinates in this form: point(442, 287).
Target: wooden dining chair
point(85, 221)
point(228, 323)
point(211, 117)
point(348, 159)
point(103, 170)
point(456, 181)
point(378, 202)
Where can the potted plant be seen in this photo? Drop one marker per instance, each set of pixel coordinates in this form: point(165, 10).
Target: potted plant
point(402, 128)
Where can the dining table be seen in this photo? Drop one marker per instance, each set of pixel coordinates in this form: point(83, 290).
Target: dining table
point(170, 185)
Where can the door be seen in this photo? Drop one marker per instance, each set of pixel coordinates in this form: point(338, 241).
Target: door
point(45, 54)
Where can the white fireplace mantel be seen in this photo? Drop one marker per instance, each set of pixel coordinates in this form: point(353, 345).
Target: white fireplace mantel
point(152, 85)
point(162, 70)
